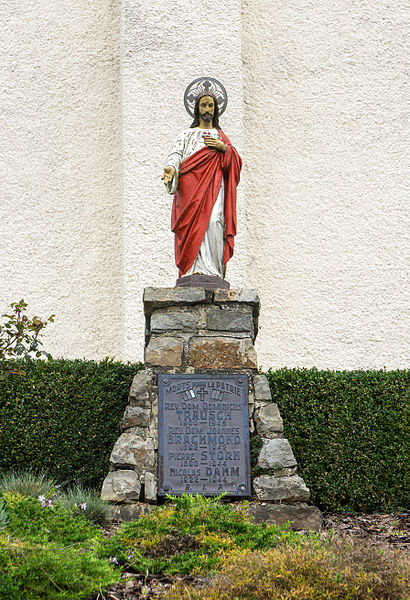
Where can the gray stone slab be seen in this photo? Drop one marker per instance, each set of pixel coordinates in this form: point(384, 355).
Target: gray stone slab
point(276, 489)
point(301, 516)
point(161, 297)
point(162, 321)
point(135, 416)
point(268, 420)
point(276, 454)
point(242, 295)
point(262, 389)
point(226, 319)
point(164, 352)
point(150, 487)
point(130, 512)
point(139, 392)
point(121, 485)
point(132, 451)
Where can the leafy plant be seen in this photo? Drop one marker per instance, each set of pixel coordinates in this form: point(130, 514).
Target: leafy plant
point(43, 520)
point(52, 572)
point(19, 335)
point(190, 535)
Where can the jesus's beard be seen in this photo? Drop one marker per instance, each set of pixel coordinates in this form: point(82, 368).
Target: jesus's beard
point(207, 117)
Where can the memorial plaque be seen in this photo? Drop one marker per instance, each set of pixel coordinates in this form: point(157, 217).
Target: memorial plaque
point(203, 435)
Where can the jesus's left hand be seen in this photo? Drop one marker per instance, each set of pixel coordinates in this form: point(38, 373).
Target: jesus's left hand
point(215, 144)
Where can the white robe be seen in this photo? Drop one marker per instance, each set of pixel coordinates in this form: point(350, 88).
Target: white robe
point(209, 260)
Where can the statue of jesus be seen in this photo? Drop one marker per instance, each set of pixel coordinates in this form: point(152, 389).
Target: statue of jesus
point(203, 171)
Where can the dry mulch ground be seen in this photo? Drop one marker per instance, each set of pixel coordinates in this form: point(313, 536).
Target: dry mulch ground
point(389, 530)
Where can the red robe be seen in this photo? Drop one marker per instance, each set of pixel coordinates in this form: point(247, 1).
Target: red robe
point(200, 179)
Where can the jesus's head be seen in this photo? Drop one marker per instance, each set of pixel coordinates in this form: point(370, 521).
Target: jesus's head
point(207, 110)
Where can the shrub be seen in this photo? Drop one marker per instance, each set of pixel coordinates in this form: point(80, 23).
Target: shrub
point(304, 572)
point(347, 430)
point(51, 572)
point(41, 520)
point(190, 536)
point(63, 416)
point(19, 335)
point(47, 553)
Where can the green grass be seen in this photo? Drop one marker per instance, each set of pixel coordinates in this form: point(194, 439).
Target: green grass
point(27, 483)
point(191, 536)
point(51, 550)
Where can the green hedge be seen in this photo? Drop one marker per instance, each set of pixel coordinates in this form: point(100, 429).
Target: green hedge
point(349, 433)
point(347, 429)
point(63, 416)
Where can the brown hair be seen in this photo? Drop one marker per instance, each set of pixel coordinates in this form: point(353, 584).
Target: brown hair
point(215, 119)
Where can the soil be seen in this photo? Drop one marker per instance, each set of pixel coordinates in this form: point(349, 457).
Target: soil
point(386, 530)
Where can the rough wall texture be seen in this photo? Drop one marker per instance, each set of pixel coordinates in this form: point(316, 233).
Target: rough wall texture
point(316, 108)
point(164, 49)
point(325, 160)
point(60, 148)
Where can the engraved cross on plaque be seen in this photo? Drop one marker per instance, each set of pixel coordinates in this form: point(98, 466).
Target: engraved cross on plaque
point(202, 393)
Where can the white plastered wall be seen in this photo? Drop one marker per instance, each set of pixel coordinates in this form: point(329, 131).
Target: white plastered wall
point(164, 48)
point(316, 108)
point(60, 164)
point(326, 127)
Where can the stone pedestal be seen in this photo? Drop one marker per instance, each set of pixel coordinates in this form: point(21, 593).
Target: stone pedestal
point(191, 331)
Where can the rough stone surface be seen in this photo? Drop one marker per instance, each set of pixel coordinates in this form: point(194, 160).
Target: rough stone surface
point(130, 450)
point(121, 485)
point(151, 487)
point(276, 489)
point(268, 420)
point(173, 321)
point(130, 512)
point(164, 352)
point(301, 516)
point(229, 320)
point(136, 416)
point(222, 353)
point(162, 297)
point(276, 454)
point(262, 389)
point(245, 295)
point(139, 392)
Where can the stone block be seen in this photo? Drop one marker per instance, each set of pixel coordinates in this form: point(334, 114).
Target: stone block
point(164, 352)
point(218, 319)
point(151, 487)
point(222, 353)
point(139, 392)
point(262, 389)
point(162, 297)
point(301, 516)
point(162, 321)
point(121, 485)
point(132, 451)
point(130, 512)
point(268, 420)
point(277, 489)
point(276, 454)
point(243, 295)
point(136, 416)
